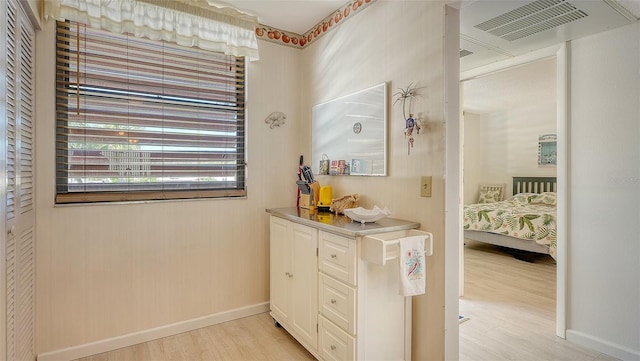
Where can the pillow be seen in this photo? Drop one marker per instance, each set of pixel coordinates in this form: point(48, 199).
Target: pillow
point(548, 198)
point(523, 198)
point(489, 196)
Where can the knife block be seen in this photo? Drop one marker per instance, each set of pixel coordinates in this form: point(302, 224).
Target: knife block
point(305, 199)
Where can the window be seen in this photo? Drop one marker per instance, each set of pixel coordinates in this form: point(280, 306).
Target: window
point(139, 119)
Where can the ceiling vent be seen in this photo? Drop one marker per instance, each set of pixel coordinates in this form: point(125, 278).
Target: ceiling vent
point(532, 18)
point(465, 52)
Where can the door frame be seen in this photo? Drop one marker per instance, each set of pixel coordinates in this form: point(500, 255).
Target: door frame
point(453, 180)
point(562, 55)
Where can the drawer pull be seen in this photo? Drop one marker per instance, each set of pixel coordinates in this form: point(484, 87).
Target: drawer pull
point(333, 347)
point(334, 256)
point(333, 301)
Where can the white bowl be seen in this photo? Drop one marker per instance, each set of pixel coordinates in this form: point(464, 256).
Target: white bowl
point(363, 215)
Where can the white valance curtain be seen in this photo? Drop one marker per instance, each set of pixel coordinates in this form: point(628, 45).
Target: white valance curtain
point(192, 23)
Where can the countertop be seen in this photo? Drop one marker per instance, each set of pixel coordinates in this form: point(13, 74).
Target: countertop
point(341, 224)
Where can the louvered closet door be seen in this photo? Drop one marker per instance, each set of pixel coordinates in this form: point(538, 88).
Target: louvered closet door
point(19, 211)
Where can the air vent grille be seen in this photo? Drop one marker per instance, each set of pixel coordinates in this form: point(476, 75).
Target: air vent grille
point(532, 18)
point(549, 24)
point(518, 13)
point(465, 52)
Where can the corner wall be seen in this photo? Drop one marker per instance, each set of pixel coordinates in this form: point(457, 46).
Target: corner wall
point(603, 298)
point(399, 42)
point(109, 270)
point(501, 142)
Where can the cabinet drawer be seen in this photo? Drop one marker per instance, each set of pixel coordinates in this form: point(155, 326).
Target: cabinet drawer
point(338, 257)
point(333, 343)
point(338, 303)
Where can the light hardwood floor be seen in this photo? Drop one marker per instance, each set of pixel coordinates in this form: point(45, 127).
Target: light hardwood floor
point(510, 306)
point(249, 338)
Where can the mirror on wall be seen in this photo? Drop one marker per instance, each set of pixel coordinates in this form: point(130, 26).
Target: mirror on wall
point(351, 132)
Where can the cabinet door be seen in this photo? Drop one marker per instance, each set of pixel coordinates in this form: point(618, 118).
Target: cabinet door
point(18, 39)
point(304, 305)
point(281, 232)
point(338, 257)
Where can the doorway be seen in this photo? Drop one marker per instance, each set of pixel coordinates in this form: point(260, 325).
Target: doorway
point(469, 189)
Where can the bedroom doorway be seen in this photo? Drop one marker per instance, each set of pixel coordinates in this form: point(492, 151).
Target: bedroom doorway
point(554, 59)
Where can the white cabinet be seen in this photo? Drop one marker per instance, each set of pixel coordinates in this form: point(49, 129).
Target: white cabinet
point(362, 315)
point(338, 257)
point(294, 279)
point(304, 283)
point(335, 344)
point(280, 267)
point(17, 240)
point(339, 295)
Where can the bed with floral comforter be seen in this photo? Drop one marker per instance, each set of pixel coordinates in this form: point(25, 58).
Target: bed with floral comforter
point(526, 216)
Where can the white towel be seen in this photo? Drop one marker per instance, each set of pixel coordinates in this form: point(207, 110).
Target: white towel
point(412, 266)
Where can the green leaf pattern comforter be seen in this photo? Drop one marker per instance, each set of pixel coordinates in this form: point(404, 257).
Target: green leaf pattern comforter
point(526, 216)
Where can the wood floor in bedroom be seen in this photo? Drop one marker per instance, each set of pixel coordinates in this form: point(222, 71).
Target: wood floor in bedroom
point(510, 306)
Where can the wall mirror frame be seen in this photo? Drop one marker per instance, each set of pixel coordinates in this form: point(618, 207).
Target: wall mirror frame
point(353, 129)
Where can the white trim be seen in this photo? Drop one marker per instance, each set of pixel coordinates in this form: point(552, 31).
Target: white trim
point(453, 182)
point(562, 189)
point(135, 338)
point(408, 317)
point(31, 8)
point(603, 346)
point(509, 63)
point(561, 53)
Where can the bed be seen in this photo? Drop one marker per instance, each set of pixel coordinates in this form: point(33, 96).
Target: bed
point(525, 221)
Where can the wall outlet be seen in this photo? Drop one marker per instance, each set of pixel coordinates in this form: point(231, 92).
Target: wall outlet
point(425, 186)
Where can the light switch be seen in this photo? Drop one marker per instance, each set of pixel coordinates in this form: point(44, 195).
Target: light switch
point(425, 186)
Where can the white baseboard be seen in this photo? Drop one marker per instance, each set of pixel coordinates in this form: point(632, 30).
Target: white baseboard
point(603, 346)
point(135, 338)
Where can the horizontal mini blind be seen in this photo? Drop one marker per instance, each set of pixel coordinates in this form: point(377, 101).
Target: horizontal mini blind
point(139, 119)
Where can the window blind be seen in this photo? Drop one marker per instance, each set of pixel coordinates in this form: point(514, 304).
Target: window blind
point(139, 119)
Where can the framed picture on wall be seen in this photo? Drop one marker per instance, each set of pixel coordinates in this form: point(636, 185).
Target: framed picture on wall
point(547, 150)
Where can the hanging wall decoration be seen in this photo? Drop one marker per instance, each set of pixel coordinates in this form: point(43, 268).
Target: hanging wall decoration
point(275, 119)
point(406, 96)
point(547, 150)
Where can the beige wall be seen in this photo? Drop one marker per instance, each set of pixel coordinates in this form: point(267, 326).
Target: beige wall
point(501, 142)
point(109, 270)
point(398, 42)
point(472, 159)
point(604, 154)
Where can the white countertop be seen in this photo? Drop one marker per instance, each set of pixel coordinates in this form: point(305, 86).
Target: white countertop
point(340, 224)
